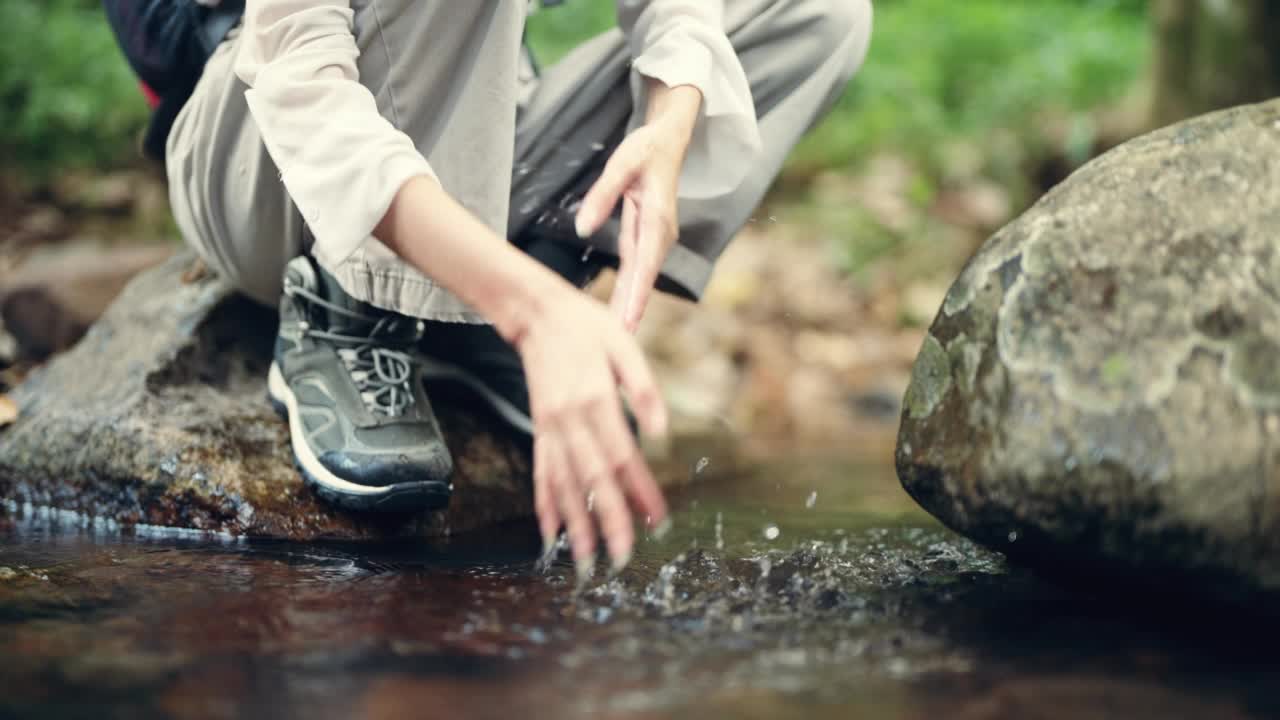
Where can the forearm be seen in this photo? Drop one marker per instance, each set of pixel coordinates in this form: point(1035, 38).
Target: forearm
point(437, 235)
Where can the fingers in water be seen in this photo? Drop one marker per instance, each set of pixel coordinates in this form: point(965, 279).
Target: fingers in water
point(639, 484)
point(544, 502)
point(594, 470)
point(571, 504)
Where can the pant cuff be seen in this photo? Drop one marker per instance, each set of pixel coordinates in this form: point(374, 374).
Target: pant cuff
point(403, 291)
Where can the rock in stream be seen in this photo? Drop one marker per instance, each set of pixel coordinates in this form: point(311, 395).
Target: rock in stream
point(1100, 391)
point(159, 416)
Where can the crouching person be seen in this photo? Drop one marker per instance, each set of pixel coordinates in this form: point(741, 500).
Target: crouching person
point(420, 204)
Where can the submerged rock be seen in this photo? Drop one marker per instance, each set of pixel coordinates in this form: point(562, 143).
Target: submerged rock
point(159, 416)
point(1100, 391)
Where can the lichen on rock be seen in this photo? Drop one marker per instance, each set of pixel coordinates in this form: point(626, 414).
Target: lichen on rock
point(930, 379)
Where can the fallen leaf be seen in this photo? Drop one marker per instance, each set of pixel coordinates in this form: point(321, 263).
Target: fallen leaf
point(8, 410)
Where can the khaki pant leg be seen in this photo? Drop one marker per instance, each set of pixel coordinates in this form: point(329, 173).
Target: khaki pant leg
point(224, 189)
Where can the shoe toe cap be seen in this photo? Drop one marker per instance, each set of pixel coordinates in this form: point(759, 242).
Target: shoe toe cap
point(382, 470)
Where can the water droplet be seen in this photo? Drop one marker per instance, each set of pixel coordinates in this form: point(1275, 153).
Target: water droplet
point(586, 254)
point(597, 146)
point(771, 532)
point(812, 500)
point(719, 531)
point(773, 219)
point(906, 449)
point(1013, 536)
point(701, 465)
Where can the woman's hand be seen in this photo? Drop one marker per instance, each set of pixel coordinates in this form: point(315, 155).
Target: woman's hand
point(644, 175)
point(576, 356)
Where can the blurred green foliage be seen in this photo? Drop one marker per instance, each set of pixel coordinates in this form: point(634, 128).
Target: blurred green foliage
point(943, 73)
point(67, 97)
point(939, 72)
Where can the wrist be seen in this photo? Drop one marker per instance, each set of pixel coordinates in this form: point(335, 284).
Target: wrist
point(526, 294)
point(673, 112)
point(433, 233)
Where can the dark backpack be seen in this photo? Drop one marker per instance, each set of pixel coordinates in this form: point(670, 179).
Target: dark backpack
point(167, 43)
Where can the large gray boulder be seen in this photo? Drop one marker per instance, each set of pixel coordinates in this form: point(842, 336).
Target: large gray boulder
point(1100, 391)
point(159, 416)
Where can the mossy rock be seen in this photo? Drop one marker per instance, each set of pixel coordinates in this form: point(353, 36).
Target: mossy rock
point(1100, 391)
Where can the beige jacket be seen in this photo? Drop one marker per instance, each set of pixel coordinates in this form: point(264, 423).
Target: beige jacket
point(342, 162)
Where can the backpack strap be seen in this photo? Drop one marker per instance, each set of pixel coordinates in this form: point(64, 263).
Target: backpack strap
point(218, 21)
point(211, 26)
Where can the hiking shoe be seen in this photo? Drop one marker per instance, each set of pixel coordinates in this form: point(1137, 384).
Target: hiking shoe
point(344, 376)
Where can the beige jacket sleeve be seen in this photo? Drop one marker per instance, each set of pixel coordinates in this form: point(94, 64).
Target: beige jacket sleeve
point(298, 58)
point(684, 42)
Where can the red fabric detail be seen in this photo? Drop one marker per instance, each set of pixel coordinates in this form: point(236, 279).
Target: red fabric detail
point(152, 99)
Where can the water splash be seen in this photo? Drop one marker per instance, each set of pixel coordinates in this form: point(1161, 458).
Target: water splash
point(811, 501)
point(550, 554)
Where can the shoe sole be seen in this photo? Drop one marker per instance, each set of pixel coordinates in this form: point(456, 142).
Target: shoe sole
point(436, 370)
point(396, 498)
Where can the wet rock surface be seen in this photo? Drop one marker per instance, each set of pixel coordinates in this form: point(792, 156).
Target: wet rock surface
point(159, 416)
point(1100, 391)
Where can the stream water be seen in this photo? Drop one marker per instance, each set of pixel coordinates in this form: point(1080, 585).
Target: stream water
point(806, 589)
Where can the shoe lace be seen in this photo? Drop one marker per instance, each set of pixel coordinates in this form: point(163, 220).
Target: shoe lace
point(380, 372)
